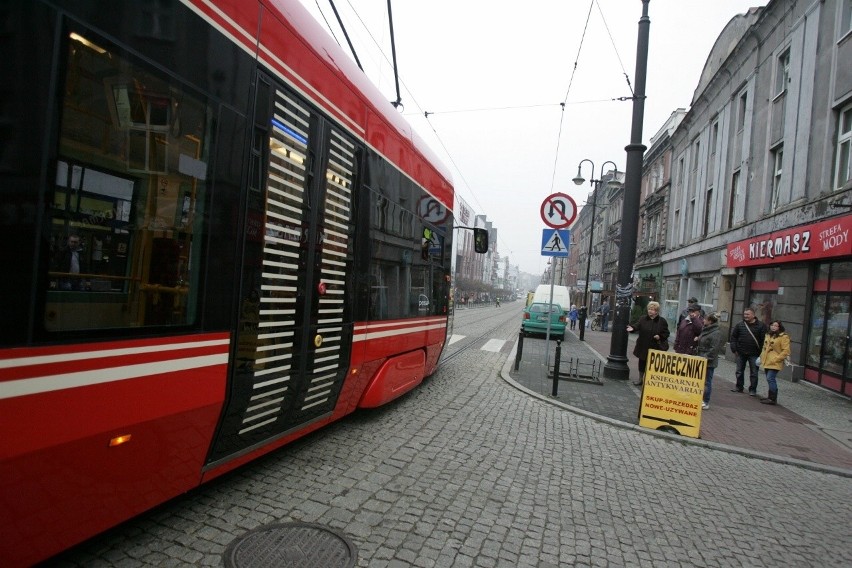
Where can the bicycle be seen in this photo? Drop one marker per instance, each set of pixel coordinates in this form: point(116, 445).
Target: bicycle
point(597, 323)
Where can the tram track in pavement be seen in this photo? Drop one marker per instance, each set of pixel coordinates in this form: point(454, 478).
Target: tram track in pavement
point(506, 322)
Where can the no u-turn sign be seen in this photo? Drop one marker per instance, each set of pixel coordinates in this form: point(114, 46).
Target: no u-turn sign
point(558, 211)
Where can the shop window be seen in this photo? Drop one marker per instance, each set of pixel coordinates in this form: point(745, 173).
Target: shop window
point(827, 350)
point(702, 290)
point(127, 202)
point(671, 302)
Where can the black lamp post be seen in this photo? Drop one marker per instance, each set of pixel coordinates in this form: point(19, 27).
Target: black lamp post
point(596, 185)
point(616, 363)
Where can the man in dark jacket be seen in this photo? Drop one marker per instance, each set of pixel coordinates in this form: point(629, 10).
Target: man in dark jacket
point(604, 310)
point(747, 343)
point(72, 261)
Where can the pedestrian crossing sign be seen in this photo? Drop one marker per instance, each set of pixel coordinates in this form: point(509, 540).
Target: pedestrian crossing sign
point(554, 242)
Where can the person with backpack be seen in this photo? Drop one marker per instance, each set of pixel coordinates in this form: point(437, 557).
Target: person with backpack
point(709, 345)
point(747, 343)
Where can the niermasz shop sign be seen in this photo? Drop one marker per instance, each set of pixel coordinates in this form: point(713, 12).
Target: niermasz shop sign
point(816, 241)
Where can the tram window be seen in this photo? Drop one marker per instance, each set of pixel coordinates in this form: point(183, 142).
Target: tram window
point(127, 203)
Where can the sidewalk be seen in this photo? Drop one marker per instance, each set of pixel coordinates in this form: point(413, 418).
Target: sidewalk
point(810, 426)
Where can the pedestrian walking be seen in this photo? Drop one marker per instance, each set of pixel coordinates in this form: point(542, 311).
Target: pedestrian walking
point(653, 333)
point(573, 314)
point(688, 330)
point(709, 345)
point(776, 349)
point(604, 309)
point(747, 343)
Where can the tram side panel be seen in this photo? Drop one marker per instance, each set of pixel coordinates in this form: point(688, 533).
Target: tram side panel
point(147, 163)
point(115, 412)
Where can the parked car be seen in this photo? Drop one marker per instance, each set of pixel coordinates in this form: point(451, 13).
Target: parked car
point(561, 296)
point(536, 316)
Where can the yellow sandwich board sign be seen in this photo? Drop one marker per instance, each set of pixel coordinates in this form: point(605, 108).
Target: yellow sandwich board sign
point(671, 397)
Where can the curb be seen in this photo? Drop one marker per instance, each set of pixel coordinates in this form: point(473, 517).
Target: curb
point(505, 375)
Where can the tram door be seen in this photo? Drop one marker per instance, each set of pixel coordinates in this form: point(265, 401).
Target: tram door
point(295, 323)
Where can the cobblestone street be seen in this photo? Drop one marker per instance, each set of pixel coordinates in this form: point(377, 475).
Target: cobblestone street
point(468, 471)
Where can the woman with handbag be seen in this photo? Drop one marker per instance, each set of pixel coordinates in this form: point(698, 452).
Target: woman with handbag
point(653, 333)
point(776, 348)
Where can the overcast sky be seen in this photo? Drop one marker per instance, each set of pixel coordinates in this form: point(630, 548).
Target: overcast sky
point(493, 74)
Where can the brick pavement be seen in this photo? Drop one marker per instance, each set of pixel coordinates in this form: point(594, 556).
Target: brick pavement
point(736, 421)
point(469, 471)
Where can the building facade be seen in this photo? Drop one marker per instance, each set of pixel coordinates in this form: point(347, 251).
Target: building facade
point(760, 194)
point(653, 213)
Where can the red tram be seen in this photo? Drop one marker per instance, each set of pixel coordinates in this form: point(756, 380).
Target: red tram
point(220, 237)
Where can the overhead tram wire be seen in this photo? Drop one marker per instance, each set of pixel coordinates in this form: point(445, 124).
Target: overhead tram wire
point(324, 19)
point(565, 100)
point(346, 34)
point(398, 102)
point(571, 81)
point(461, 175)
point(617, 55)
point(425, 113)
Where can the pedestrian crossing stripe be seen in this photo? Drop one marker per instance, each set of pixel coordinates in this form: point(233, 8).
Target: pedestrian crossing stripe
point(454, 338)
point(493, 345)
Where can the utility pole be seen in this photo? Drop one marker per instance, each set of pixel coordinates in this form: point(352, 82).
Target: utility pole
point(616, 363)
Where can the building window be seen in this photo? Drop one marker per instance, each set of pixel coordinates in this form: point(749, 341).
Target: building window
point(714, 141)
point(678, 230)
point(689, 231)
point(843, 173)
point(652, 231)
point(846, 18)
point(734, 213)
point(741, 112)
point(782, 72)
point(708, 208)
point(777, 160)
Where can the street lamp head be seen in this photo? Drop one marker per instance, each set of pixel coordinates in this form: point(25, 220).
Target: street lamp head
point(579, 179)
point(614, 183)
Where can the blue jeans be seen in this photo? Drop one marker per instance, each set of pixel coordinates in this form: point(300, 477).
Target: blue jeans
point(770, 379)
point(708, 384)
point(605, 323)
point(752, 372)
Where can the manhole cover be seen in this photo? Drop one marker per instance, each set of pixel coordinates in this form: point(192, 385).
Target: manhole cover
point(291, 545)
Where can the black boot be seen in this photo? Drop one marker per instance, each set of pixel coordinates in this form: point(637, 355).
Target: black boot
point(772, 398)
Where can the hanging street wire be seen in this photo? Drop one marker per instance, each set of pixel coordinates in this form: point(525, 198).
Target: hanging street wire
point(565, 100)
point(518, 107)
point(617, 55)
point(398, 102)
point(346, 35)
point(324, 19)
